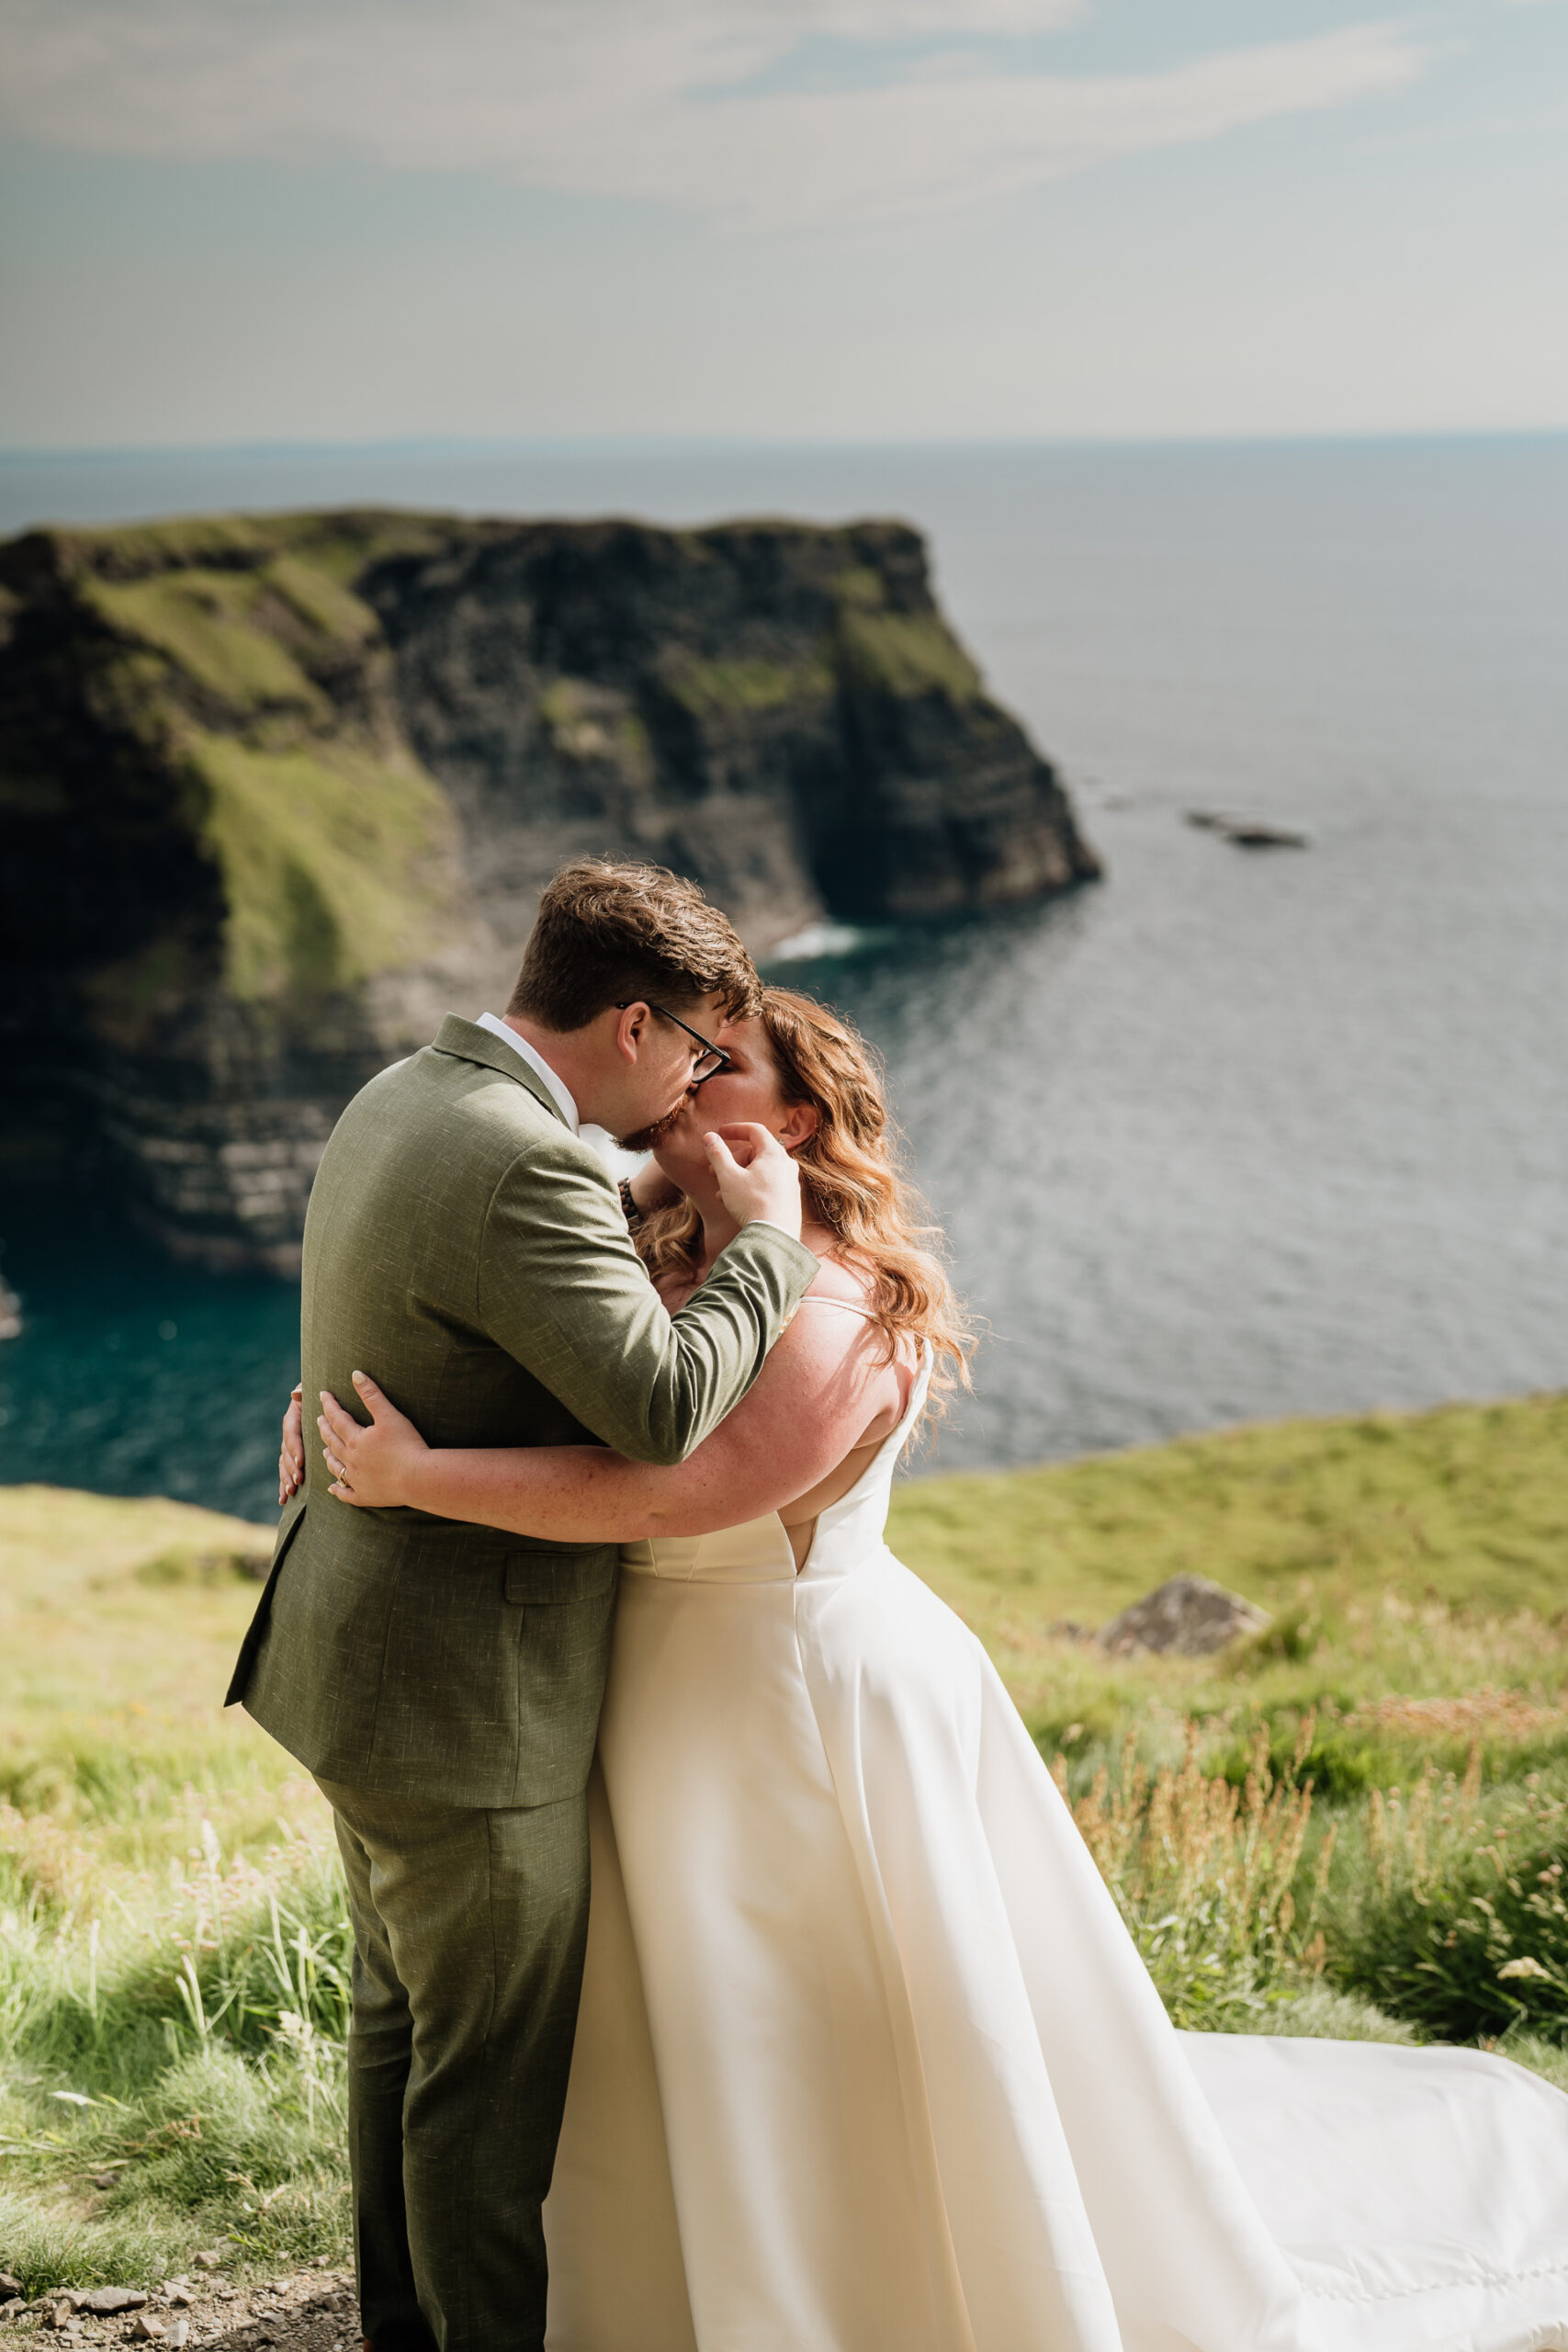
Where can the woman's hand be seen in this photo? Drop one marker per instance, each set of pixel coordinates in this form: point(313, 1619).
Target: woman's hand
point(375, 1467)
point(292, 1461)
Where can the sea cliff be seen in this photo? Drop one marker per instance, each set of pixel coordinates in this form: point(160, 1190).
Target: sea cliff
point(275, 791)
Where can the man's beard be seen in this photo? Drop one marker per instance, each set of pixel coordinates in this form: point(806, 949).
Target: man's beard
point(649, 1138)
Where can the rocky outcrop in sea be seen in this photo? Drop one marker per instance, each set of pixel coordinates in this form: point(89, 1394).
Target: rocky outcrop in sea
point(277, 791)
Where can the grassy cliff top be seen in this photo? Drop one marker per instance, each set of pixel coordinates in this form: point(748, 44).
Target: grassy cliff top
point(116, 1617)
point(1466, 1505)
point(344, 542)
point(1413, 1566)
point(174, 1948)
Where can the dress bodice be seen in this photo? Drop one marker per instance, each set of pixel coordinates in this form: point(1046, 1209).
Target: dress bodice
point(758, 1552)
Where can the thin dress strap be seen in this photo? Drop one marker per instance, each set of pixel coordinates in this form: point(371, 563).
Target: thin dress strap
point(868, 1314)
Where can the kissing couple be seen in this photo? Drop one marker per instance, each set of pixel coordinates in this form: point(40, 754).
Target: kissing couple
point(850, 2051)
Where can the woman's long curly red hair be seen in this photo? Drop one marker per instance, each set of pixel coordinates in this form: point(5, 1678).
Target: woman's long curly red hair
point(852, 1184)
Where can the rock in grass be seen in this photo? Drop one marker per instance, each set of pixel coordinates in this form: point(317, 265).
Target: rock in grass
point(105, 2302)
point(1185, 1617)
point(9, 2287)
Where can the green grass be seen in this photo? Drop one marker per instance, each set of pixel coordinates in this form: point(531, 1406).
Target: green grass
point(1467, 1506)
point(1416, 1674)
point(322, 601)
point(907, 654)
point(586, 723)
point(1413, 1567)
point(1354, 1825)
point(173, 1948)
point(859, 589)
point(134, 551)
point(207, 625)
point(335, 863)
point(1448, 1906)
point(339, 545)
point(720, 688)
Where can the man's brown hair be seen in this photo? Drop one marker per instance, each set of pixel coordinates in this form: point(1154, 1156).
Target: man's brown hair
point(609, 933)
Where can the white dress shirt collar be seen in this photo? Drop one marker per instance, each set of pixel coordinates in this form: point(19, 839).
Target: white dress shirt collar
point(559, 1094)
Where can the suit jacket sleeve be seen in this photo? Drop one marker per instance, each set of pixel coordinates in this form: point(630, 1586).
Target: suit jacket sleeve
point(563, 1291)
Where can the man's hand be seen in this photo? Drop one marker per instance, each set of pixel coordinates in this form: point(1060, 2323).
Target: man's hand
point(756, 1178)
point(375, 1467)
point(291, 1460)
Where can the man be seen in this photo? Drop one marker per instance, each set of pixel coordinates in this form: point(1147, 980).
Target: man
point(443, 1681)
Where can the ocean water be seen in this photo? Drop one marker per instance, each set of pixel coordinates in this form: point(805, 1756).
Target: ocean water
point(1235, 1133)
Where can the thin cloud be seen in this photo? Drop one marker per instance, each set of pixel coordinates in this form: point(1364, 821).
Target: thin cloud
point(629, 100)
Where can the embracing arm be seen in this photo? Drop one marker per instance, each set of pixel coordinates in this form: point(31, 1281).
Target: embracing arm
point(819, 1393)
point(562, 1290)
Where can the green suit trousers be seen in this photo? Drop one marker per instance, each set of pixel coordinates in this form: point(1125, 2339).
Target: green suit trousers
point(469, 1926)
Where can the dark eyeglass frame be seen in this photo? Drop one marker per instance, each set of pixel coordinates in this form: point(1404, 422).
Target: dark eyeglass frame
point(712, 1054)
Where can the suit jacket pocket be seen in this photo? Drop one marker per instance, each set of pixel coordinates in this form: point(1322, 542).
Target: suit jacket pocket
point(547, 1578)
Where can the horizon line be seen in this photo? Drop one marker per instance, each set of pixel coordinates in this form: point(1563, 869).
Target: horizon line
point(716, 443)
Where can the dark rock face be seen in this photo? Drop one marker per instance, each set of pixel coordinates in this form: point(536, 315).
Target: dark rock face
point(275, 791)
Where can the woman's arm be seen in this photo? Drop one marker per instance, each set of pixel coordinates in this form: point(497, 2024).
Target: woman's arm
point(821, 1392)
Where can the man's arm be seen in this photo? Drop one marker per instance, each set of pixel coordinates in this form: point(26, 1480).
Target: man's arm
point(822, 1390)
point(563, 1291)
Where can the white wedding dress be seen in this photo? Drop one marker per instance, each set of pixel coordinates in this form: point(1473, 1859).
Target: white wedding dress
point(867, 2060)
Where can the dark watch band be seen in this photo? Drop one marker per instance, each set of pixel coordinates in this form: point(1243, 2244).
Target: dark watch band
point(634, 1214)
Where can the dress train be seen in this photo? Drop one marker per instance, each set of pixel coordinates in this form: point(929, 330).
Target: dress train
point(867, 2060)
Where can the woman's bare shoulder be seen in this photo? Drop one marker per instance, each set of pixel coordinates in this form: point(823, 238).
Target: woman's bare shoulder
point(850, 1284)
point(842, 1285)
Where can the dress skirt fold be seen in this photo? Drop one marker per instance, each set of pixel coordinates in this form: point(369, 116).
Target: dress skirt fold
point(867, 2060)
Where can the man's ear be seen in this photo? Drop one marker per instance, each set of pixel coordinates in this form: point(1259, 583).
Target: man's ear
point(631, 1025)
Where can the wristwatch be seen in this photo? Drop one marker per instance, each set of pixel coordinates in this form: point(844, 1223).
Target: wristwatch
point(634, 1214)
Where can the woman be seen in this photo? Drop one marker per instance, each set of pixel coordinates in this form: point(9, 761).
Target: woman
point(866, 2061)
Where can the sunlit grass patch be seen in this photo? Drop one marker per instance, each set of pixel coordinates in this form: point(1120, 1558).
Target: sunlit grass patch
point(1450, 1906)
point(210, 2149)
point(1206, 1876)
point(1467, 1506)
point(170, 2051)
point(173, 1945)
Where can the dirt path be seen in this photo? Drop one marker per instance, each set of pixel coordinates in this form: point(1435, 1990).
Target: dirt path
point(313, 2311)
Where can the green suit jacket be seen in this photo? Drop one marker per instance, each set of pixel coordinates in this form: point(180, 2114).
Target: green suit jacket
point(466, 1248)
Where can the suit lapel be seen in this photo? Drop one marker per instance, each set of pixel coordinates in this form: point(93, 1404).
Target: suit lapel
point(472, 1044)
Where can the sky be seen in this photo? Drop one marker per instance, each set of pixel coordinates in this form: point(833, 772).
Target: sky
point(356, 221)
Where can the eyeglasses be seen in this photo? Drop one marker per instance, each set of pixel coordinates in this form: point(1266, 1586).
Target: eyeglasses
point(705, 1064)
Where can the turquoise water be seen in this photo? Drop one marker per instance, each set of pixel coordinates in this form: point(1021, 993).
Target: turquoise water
point(1235, 1135)
point(136, 1376)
